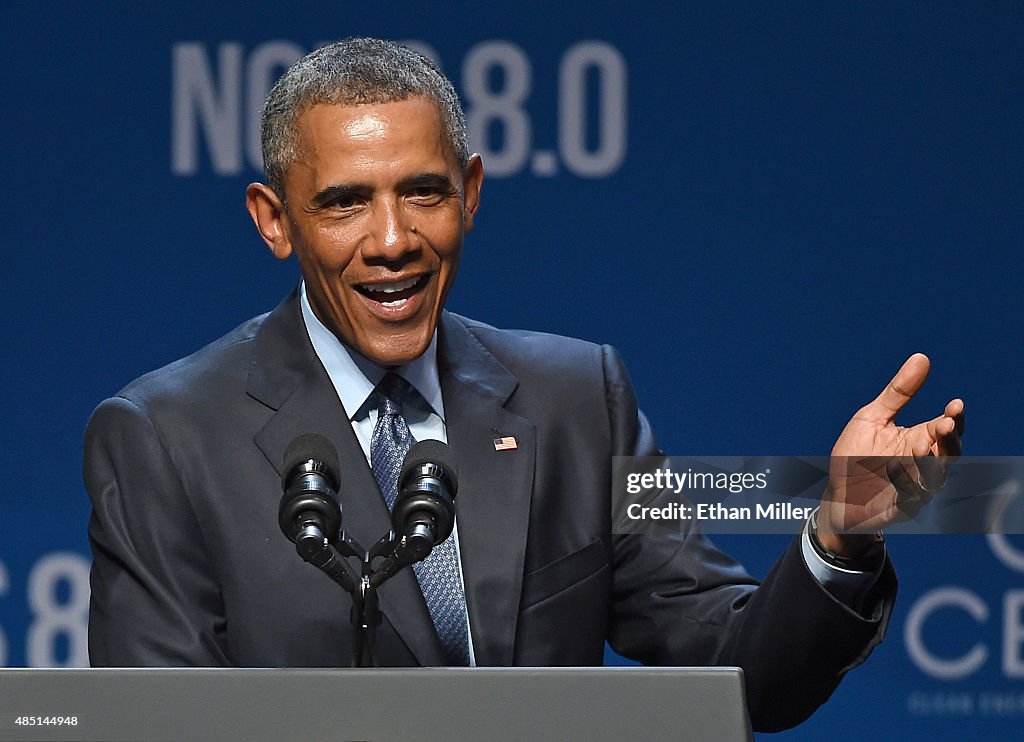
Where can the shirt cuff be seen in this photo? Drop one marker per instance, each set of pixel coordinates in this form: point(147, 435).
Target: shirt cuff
point(845, 585)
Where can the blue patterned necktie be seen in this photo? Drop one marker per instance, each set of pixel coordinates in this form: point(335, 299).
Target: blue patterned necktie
point(438, 574)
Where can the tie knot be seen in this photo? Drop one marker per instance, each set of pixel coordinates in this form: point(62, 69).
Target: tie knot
point(390, 392)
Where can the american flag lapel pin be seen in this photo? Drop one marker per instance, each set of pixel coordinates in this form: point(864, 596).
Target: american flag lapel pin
point(508, 443)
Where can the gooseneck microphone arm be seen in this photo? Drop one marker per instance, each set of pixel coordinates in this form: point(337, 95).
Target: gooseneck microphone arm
point(310, 516)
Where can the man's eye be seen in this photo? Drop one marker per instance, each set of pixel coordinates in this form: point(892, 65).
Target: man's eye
point(345, 202)
point(427, 195)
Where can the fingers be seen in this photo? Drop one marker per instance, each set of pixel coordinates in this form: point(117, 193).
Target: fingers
point(944, 432)
point(915, 481)
point(935, 446)
point(897, 393)
point(931, 474)
point(955, 409)
point(938, 429)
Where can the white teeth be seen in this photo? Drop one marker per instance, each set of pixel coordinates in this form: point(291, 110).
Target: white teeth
point(391, 288)
point(396, 303)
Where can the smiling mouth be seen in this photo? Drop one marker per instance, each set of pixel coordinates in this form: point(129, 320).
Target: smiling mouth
point(395, 293)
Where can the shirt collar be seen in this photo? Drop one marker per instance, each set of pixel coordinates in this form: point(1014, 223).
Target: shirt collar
point(355, 376)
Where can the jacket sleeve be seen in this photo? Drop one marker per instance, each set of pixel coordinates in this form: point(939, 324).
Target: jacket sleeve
point(678, 600)
point(155, 601)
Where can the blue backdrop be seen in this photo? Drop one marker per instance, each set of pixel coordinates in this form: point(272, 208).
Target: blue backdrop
point(765, 208)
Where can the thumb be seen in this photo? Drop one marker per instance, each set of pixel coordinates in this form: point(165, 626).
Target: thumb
point(904, 385)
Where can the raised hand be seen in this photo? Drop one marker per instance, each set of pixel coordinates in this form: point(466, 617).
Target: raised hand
point(881, 472)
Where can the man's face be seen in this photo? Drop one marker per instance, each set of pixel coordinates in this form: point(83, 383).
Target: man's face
point(377, 209)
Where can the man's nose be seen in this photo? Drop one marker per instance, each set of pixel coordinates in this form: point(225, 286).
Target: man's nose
point(393, 236)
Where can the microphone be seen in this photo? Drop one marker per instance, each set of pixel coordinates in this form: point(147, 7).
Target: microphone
point(424, 512)
point(310, 511)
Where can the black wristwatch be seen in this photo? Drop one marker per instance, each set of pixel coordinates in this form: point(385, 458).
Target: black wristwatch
point(867, 561)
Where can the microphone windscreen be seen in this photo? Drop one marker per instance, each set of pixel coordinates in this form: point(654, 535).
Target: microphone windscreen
point(311, 446)
point(431, 452)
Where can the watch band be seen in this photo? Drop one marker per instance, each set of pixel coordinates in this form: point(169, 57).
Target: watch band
point(868, 561)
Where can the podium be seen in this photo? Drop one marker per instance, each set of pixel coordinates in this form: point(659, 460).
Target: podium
point(429, 704)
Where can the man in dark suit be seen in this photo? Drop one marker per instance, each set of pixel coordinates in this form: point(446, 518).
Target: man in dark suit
point(371, 186)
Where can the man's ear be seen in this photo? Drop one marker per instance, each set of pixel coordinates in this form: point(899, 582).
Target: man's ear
point(472, 179)
point(268, 214)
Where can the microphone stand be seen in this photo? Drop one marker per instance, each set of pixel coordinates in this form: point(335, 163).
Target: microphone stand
point(365, 616)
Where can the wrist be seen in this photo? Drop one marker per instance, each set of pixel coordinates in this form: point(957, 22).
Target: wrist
point(858, 552)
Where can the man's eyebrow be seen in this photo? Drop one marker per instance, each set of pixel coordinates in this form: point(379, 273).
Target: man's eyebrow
point(430, 180)
point(343, 191)
point(338, 192)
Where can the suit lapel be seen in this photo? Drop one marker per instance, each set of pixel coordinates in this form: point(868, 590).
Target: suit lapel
point(495, 487)
point(286, 375)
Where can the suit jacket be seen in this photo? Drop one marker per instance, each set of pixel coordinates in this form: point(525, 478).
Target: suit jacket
point(190, 567)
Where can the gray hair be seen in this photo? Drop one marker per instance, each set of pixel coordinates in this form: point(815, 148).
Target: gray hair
point(350, 72)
